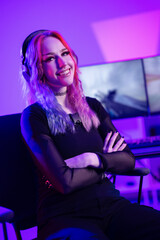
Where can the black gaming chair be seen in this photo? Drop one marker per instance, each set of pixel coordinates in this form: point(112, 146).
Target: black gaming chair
point(18, 190)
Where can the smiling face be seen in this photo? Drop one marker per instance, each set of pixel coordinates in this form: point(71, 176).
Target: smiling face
point(58, 65)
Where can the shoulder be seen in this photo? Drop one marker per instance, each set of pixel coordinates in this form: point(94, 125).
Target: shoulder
point(33, 112)
point(34, 122)
point(33, 109)
point(97, 107)
point(93, 102)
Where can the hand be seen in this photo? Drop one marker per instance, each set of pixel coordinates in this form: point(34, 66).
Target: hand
point(109, 143)
point(83, 160)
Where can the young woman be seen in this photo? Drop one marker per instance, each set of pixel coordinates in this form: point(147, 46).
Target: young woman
point(74, 144)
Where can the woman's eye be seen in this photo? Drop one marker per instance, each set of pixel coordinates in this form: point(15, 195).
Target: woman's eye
point(65, 53)
point(49, 59)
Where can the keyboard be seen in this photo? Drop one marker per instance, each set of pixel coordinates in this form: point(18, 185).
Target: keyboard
point(147, 142)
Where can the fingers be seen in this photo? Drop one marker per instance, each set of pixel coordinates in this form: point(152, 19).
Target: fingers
point(122, 147)
point(118, 144)
point(106, 141)
point(110, 141)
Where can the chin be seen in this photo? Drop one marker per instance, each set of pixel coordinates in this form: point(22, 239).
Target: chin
point(69, 82)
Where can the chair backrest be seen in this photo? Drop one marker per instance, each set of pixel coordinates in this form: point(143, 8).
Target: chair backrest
point(18, 190)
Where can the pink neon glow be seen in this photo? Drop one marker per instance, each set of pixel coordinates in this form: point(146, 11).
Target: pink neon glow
point(128, 37)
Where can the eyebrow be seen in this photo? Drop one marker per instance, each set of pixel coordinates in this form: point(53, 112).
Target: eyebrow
point(52, 53)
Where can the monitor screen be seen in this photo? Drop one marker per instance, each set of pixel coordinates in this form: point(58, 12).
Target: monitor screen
point(152, 75)
point(119, 86)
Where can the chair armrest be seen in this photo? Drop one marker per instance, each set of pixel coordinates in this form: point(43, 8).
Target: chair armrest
point(6, 215)
point(134, 172)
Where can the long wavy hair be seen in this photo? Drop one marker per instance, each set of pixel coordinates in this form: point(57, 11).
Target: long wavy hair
point(36, 89)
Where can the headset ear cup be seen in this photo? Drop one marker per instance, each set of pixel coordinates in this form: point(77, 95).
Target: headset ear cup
point(26, 76)
point(26, 73)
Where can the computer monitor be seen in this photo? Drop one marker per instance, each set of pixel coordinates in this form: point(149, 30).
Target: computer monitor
point(152, 75)
point(119, 86)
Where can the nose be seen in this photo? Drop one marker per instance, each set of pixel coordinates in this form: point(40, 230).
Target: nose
point(60, 62)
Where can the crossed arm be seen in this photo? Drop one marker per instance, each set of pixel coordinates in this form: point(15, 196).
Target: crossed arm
point(90, 159)
point(75, 172)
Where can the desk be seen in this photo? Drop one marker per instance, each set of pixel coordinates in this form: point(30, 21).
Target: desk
point(146, 152)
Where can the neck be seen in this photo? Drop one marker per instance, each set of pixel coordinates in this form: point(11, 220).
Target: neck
point(63, 101)
point(61, 96)
point(60, 93)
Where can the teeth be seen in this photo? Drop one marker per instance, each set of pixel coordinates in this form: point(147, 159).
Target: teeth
point(64, 73)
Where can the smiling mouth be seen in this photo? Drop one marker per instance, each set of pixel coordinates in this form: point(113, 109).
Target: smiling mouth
point(64, 72)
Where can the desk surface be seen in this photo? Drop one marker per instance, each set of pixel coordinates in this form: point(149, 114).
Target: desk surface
point(146, 152)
